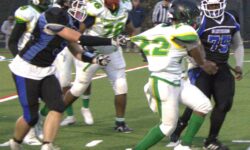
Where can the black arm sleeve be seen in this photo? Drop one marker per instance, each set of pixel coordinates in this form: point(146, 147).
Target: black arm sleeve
point(86, 40)
point(16, 34)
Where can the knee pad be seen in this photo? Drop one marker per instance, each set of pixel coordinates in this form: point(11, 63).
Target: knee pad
point(120, 86)
point(78, 88)
point(31, 120)
point(167, 128)
point(205, 108)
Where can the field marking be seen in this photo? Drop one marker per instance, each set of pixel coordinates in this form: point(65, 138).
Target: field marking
point(240, 141)
point(93, 143)
point(14, 96)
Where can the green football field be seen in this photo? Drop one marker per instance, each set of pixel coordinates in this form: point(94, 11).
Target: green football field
point(138, 116)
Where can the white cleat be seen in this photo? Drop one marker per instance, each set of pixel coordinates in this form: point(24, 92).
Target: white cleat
point(14, 145)
point(31, 139)
point(69, 120)
point(173, 144)
point(39, 128)
point(182, 147)
point(87, 116)
point(49, 146)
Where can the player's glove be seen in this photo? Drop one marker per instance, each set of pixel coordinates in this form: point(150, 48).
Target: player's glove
point(120, 40)
point(101, 60)
point(94, 58)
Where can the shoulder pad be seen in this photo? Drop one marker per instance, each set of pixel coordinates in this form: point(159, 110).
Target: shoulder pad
point(185, 33)
point(24, 13)
point(126, 4)
point(95, 7)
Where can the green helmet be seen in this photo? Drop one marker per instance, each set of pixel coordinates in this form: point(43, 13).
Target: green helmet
point(184, 11)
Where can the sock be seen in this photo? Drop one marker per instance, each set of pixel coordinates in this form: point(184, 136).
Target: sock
point(85, 101)
point(152, 137)
point(193, 127)
point(44, 111)
point(69, 110)
point(119, 119)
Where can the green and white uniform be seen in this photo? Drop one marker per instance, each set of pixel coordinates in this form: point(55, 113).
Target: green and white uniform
point(165, 48)
point(107, 24)
point(29, 15)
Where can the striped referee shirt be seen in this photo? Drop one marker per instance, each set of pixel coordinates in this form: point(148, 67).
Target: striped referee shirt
point(160, 13)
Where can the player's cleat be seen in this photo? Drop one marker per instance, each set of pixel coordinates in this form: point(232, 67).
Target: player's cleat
point(49, 146)
point(14, 145)
point(182, 147)
point(39, 128)
point(214, 144)
point(69, 120)
point(173, 144)
point(31, 139)
point(87, 116)
point(122, 127)
point(174, 141)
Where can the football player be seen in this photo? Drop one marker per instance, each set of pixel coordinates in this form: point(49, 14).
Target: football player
point(33, 71)
point(218, 31)
point(106, 18)
point(26, 18)
point(165, 47)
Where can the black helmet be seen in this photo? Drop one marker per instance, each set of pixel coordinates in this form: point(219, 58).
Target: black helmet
point(184, 11)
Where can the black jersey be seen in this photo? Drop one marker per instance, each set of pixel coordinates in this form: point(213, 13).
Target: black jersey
point(217, 37)
point(42, 48)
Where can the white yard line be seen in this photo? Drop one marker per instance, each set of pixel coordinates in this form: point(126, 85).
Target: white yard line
point(12, 97)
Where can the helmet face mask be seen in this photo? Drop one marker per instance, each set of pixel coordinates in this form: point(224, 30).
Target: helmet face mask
point(213, 8)
point(78, 10)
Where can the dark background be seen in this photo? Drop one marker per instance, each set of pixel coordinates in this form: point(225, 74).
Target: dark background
point(8, 7)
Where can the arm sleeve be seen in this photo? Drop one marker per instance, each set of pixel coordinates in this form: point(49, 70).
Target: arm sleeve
point(86, 40)
point(16, 34)
point(237, 46)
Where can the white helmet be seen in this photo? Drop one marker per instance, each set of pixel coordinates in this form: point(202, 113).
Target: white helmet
point(78, 10)
point(43, 4)
point(213, 8)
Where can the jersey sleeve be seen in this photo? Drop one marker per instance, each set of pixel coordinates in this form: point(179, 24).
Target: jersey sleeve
point(23, 14)
point(186, 36)
point(94, 7)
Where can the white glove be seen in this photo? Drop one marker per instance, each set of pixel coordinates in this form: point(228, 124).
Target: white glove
point(101, 60)
point(120, 40)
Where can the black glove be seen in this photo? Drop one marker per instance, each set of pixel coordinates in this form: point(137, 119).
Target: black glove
point(101, 60)
point(120, 40)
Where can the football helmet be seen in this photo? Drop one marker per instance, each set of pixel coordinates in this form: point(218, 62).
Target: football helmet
point(43, 4)
point(213, 8)
point(78, 10)
point(184, 11)
point(112, 5)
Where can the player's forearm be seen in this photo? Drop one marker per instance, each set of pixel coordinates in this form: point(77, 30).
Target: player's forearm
point(16, 34)
point(75, 36)
point(197, 55)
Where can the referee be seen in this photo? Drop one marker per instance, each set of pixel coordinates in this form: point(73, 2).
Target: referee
point(160, 14)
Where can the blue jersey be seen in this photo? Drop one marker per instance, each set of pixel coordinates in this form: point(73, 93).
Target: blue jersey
point(42, 48)
point(217, 37)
